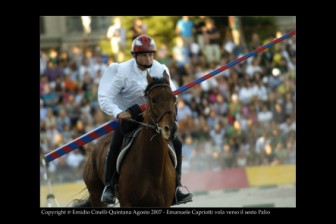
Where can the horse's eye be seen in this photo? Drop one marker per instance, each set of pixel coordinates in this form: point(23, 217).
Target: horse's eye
point(153, 100)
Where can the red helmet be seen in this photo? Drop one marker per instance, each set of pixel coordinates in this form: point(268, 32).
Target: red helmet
point(143, 44)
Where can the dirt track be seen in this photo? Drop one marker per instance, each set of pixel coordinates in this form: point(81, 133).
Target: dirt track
point(269, 196)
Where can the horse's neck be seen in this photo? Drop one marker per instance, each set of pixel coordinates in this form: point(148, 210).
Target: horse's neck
point(153, 142)
point(154, 149)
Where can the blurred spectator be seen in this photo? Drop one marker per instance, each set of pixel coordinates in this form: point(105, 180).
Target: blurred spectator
point(288, 126)
point(260, 148)
point(241, 159)
point(200, 29)
point(181, 56)
point(265, 116)
point(218, 135)
point(117, 35)
point(279, 113)
point(253, 68)
point(50, 98)
point(163, 55)
point(138, 28)
point(289, 105)
point(43, 62)
point(43, 111)
point(227, 157)
point(291, 152)
point(52, 71)
point(184, 28)
point(75, 159)
point(255, 42)
point(280, 153)
point(211, 39)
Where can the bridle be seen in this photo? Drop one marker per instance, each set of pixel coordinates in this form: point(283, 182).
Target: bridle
point(158, 118)
point(155, 122)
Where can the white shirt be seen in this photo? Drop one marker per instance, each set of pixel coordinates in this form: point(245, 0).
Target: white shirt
point(122, 85)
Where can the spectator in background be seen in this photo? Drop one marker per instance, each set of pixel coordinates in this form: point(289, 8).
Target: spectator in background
point(200, 29)
point(52, 71)
point(291, 152)
point(117, 35)
point(138, 28)
point(163, 55)
point(265, 116)
point(181, 56)
point(255, 42)
point(280, 153)
point(211, 39)
point(50, 98)
point(227, 157)
point(287, 126)
point(43, 62)
point(260, 147)
point(184, 28)
point(187, 150)
point(217, 136)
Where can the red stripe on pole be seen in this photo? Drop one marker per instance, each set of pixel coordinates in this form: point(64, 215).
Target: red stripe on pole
point(243, 58)
point(54, 155)
point(260, 49)
point(223, 68)
point(67, 149)
point(191, 84)
point(277, 41)
point(80, 142)
point(108, 128)
point(207, 76)
point(94, 135)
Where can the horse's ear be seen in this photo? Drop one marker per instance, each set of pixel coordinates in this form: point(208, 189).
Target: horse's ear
point(165, 75)
point(149, 78)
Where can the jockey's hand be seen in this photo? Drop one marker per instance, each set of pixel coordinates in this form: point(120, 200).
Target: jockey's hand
point(124, 115)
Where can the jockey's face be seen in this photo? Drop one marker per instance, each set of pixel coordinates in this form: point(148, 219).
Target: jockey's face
point(144, 58)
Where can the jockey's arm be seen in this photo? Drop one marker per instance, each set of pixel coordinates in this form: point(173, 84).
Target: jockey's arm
point(109, 87)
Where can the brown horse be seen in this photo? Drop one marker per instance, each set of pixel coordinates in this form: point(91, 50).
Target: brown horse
point(147, 174)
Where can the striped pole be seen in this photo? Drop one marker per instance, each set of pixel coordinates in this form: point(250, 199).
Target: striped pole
point(112, 125)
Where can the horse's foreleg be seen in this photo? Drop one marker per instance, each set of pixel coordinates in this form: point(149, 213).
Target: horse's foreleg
point(96, 203)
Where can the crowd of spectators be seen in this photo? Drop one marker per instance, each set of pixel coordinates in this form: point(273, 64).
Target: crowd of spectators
point(245, 116)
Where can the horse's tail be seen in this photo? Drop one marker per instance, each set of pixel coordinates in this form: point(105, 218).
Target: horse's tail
point(82, 203)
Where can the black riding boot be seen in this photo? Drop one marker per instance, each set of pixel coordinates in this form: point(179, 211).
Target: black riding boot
point(179, 196)
point(108, 195)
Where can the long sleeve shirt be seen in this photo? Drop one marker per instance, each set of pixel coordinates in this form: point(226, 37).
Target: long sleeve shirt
point(122, 85)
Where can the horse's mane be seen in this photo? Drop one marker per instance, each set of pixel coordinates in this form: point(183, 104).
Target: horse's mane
point(156, 80)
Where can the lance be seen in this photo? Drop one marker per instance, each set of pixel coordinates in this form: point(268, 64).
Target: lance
point(112, 125)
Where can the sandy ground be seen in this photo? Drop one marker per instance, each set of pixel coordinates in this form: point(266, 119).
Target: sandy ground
point(271, 196)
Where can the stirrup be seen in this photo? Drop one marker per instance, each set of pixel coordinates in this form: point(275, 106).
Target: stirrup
point(106, 200)
point(185, 200)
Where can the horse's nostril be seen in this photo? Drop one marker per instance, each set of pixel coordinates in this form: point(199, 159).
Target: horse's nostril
point(166, 128)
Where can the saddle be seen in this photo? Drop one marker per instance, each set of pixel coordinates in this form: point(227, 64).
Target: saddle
point(127, 142)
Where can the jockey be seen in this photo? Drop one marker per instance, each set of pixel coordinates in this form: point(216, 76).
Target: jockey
point(120, 92)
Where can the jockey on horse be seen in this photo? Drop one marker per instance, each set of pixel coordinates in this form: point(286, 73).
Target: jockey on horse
point(121, 99)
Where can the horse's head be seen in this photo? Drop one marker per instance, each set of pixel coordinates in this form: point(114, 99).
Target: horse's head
point(161, 111)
